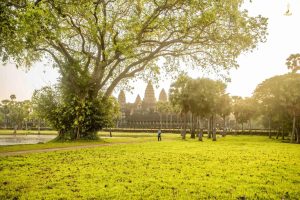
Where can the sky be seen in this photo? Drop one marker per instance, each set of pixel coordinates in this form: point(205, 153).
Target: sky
point(267, 60)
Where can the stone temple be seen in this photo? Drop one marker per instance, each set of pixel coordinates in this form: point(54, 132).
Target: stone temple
point(141, 113)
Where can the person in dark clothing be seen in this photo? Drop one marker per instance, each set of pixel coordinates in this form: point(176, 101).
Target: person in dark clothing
point(159, 135)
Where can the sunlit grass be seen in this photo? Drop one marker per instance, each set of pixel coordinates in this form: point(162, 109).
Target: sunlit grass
point(233, 167)
point(104, 139)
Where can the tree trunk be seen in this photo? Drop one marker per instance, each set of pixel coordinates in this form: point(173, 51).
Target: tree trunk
point(250, 128)
point(183, 132)
point(242, 128)
point(224, 129)
point(15, 129)
point(6, 121)
point(110, 134)
point(294, 128)
point(277, 134)
point(193, 127)
point(77, 133)
point(26, 127)
point(214, 131)
point(171, 122)
point(209, 127)
point(199, 129)
point(167, 116)
point(200, 135)
point(39, 127)
point(298, 135)
point(270, 135)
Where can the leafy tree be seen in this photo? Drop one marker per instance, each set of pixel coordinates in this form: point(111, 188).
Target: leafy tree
point(97, 45)
point(5, 111)
point(218, 88)
point(2, 117)
point(281, 94)
point(199, 96)
point(27, 109)
point(16, 113)
point(178, 96)
point(293, 62)
point(224, 109)
point(83, 117)
point(204, 95)
point(244, 110)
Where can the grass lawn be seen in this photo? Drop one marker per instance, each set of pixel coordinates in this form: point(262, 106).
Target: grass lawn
point(234, 167)
point(104, 139)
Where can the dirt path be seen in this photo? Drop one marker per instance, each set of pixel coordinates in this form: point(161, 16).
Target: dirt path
point(13, 153)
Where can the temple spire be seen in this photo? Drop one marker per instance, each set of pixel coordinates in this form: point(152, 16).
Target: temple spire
point(163, 96)
point(122, 98)
point(149, 97)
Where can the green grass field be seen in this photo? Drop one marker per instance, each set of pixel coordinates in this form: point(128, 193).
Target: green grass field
point(118, 137)
point(234, 167)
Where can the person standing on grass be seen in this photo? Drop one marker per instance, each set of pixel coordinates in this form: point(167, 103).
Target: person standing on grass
point(159, 135)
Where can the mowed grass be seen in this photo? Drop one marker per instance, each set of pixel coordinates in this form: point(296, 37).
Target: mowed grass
point(234, 167)
point(118, 137)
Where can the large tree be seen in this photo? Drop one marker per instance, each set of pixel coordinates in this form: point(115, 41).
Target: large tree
point(97, 45)
point(201, 97)
point(224, 109)
point(204, 99)
point(281, 94)
point(179, 98)
point(77, 118)
point(244, 110)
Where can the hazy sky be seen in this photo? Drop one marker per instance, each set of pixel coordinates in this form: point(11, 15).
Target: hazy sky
point(264, 62)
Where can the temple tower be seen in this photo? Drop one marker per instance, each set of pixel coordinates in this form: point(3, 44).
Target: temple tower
point(163, 96)
point(138, 102)
point(149, 97)
point(122, 99)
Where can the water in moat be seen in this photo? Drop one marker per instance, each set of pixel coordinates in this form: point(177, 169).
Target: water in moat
point(24, 139)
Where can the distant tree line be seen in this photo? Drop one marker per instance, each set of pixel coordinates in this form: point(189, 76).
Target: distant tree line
point(275, 102)
point(19, 115)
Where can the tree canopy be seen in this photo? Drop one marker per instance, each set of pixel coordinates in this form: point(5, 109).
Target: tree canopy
point(97, 44)
point(202, 97)
point(77, 118)
point(279, 99)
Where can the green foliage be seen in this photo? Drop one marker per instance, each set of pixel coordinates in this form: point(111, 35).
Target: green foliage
point(279, 100)
point(164, 107)
point(13, 112)
point(237, 166)
point(244, 109)
point(224, 105)
point(202, 96)
point(75, 118)
point(97, 45)
point(293, 62)
point(2, 117)
point(179, 93)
